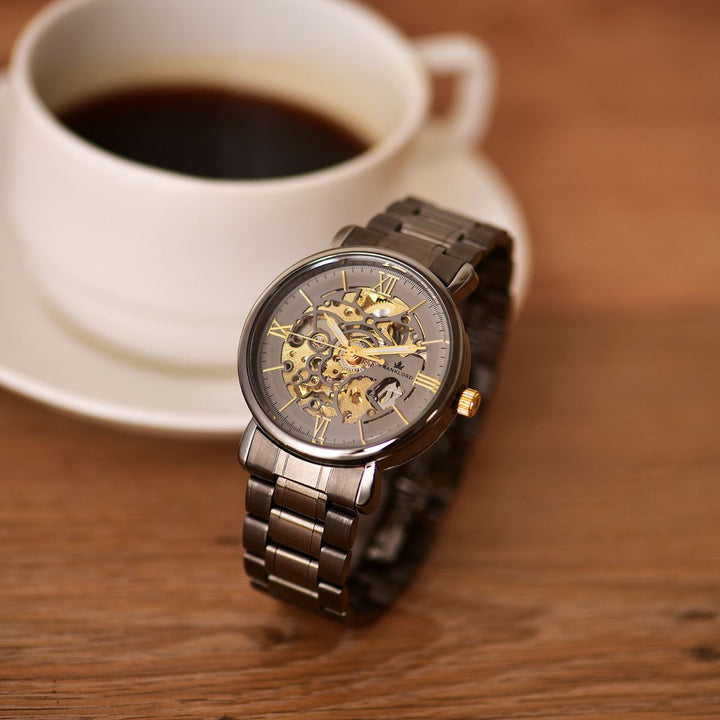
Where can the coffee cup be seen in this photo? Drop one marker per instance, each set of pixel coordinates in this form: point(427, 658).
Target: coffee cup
point(162, 266)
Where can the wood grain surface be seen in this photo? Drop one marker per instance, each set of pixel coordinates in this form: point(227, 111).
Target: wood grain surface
point(578, 572)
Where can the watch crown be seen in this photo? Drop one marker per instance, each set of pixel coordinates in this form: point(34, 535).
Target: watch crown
point(468, 402)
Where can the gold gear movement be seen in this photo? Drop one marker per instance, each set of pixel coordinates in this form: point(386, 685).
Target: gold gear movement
point(327, 378)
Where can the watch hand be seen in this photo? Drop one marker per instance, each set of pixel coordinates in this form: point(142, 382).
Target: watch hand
point(392, 349)
point(336, 331)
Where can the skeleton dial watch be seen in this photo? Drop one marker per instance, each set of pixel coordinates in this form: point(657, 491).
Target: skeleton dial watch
point(355, 364)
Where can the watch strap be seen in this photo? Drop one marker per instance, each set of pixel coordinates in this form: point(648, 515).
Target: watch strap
point(298, 545)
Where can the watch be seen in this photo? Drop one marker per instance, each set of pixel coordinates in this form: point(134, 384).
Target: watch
point(355, 364)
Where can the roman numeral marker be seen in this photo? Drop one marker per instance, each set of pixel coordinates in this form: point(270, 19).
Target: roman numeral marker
point(321, 425)
point(386, 283)
point(278, 330)
point(425, 381)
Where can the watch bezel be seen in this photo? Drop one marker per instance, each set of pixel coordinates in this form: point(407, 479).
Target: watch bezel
point(420, 433)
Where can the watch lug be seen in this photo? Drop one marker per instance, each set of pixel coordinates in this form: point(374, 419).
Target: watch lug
point(341, 235)
point(246, 442)
point(355, 487)
point(464, 283)
point(257, 453)
point(367, 497)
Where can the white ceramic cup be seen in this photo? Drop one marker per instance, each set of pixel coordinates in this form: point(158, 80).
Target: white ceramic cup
point(164, 266)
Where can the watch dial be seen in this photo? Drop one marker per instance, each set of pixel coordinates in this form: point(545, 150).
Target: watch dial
point(350, 351)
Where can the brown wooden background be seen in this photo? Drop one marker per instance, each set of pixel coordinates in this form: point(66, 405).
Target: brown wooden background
point(578, 574)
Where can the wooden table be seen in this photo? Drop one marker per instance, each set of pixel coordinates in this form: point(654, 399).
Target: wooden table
point(578, 574)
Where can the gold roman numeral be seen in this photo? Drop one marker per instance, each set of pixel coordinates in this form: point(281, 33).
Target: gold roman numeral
point(425, 381)
point(321, 425)
point(386, 284)
point(278, 330)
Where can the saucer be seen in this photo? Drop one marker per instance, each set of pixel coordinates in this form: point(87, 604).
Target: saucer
point(45, 362)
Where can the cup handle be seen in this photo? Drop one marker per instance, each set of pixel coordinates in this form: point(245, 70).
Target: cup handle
point(472, 64)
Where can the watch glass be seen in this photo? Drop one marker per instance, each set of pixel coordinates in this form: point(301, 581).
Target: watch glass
point(350, 350)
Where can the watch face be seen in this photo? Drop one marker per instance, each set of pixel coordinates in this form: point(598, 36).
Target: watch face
point(350, 350)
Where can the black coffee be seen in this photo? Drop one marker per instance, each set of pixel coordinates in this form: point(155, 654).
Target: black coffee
point(213, 132)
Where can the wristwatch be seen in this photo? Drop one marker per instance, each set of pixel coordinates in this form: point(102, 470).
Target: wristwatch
point(355, 364)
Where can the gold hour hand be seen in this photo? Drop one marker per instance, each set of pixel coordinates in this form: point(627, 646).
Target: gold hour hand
point(393, 349)
point(336, 331)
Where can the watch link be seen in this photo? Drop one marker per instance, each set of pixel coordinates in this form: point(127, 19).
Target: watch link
point(355, 364)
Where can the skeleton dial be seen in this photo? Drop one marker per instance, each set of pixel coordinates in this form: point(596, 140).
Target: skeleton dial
point(350, 352)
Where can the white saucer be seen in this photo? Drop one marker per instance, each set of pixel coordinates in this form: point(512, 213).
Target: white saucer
point(43, 361)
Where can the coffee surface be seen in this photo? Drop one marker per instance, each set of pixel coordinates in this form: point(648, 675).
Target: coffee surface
point(213, 132)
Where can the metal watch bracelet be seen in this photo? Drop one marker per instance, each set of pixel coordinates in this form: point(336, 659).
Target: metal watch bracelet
point(305, 540)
